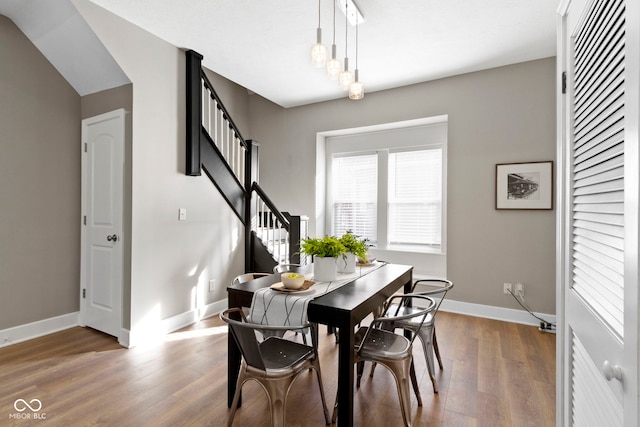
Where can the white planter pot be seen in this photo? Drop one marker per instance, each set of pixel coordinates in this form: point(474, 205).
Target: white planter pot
point(325, 269)
point(347, 263)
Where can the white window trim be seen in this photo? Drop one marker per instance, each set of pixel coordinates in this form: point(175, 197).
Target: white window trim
point(436, 260)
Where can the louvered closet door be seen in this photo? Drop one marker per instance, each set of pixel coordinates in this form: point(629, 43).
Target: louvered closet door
point(599, 336)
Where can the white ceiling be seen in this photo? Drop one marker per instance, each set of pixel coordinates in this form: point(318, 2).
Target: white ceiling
point(264, 45)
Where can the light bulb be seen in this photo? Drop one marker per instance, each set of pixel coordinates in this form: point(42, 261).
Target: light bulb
point(333, 65)
point(356, 89)
point(318, 51)
point(346, 77)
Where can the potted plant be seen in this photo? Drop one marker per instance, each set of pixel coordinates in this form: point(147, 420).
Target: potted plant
point(325, 252)
point(356, 248)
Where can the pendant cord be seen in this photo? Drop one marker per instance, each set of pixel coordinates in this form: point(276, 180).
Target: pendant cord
point(356, 43)
point(346, 33)
point(334, 22)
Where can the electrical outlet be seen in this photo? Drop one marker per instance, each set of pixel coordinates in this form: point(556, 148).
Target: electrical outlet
point(212, 285)
point(520, 290)
point(182, 214)
point(508, 287)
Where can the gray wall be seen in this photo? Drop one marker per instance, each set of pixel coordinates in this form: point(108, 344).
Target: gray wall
point(500, 115)
point(39, 185)
point(107, 100)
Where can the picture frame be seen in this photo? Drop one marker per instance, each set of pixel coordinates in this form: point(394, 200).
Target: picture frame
point(524, 185)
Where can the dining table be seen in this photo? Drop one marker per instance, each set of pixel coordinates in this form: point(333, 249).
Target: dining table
point(341, 309)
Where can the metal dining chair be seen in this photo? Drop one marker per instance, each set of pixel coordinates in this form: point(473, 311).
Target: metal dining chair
point(243, 278)
point(378, 343)
point(274, 363)
point(437, 289)
point(283, 268)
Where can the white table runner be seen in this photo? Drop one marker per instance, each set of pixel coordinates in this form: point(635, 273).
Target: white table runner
point(270, 307)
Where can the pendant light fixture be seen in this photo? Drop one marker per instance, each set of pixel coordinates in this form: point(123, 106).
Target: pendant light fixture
point(356, 89)
point(333, 65)
point(318, 51)
point(346, 78)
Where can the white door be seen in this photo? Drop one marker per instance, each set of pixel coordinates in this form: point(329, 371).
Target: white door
point(102, 248)
point(598, 214)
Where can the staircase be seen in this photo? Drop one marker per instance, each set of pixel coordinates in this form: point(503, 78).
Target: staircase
point(215, 146)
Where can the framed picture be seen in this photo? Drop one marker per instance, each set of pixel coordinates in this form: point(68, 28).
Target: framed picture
point(524, 185)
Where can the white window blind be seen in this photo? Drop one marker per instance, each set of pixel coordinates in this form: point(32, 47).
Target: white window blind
point(355, 192)
point(415, 197)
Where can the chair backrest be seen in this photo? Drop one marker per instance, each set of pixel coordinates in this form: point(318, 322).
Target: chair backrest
point(244, 334)
point(245, 337)
point(406, 300)
point(283, 268)
point(243, 278)
point(435, 288)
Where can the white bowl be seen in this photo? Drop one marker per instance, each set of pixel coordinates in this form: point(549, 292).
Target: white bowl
point(292, 280)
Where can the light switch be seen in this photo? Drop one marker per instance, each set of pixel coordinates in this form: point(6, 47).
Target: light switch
point(182, 214)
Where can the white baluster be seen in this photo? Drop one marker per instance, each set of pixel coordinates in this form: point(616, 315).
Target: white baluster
point(273, 222)
point(235, 156)
point(203, 113)
point(210, 101)
point(241, 161)
point(228, 145)
point(215, 123)
point(263, 221)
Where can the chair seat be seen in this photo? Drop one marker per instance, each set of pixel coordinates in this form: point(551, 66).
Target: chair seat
point(382, 344)
point(280, 355)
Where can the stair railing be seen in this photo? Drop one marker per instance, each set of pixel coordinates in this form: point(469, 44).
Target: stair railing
point(217, 122)
point(208, 119)
point(270, 225)
point(279, 231)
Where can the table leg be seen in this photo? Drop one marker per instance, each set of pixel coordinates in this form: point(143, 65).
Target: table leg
point(345, 375)
point(233, 368)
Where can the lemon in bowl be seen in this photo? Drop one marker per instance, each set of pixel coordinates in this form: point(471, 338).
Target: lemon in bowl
point(292, 280)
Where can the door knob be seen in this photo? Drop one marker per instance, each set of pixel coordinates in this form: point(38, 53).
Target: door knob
point(611, 371)
point(112, 238)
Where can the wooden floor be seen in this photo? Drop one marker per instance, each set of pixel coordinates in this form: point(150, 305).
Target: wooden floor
point(495, 374)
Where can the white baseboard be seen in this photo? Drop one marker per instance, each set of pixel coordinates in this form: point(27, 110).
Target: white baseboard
point(37, 329)
point(190, 317)
point(131, 339)
point(128, 339)
point(496, 313)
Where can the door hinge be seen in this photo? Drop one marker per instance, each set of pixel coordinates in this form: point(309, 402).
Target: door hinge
point(564, 82)
point(85, 147)
point(84, 221)
point(84, 292)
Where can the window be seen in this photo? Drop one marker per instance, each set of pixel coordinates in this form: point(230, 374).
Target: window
point(415, 198)
point(355, 188)
point(393, 195)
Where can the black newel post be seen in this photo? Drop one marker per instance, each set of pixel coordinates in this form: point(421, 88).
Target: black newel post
point(194, 113)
